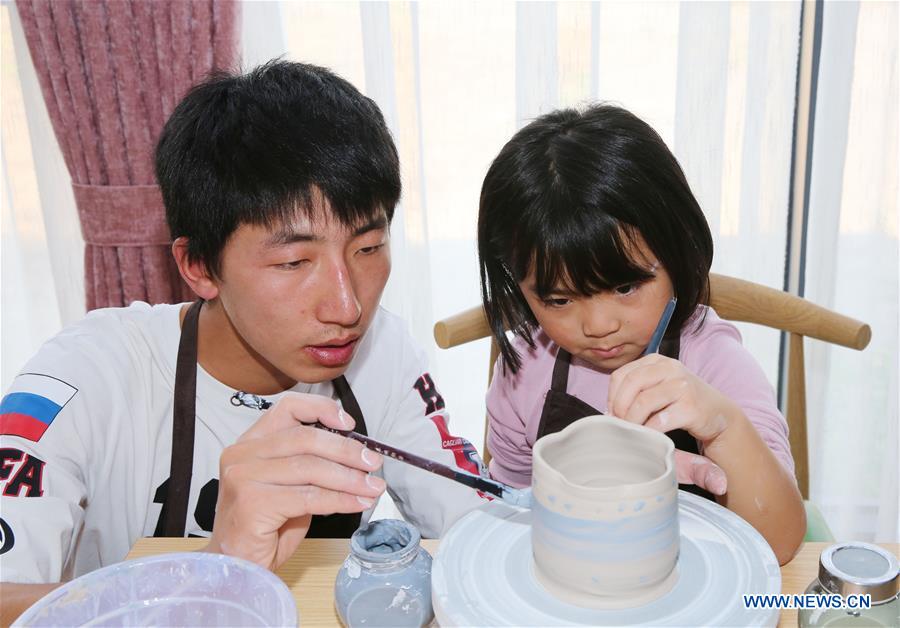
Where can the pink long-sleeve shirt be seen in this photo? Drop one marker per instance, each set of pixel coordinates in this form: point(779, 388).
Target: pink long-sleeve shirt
point(714, 354)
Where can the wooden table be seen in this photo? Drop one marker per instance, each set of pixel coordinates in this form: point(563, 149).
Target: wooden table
point(310, 573)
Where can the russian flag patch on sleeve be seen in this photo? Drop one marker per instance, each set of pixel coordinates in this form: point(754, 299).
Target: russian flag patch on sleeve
point(31, 404)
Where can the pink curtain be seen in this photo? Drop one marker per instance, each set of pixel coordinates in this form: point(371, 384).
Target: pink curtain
point(111, 72)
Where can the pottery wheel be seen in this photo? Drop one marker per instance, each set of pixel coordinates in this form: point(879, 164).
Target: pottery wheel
point(483, 574)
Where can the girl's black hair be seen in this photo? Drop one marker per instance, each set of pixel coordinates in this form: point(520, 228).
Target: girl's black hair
point(256, 148)
point(569, 195)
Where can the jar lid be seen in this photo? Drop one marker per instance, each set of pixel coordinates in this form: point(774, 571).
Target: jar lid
point(861, 569)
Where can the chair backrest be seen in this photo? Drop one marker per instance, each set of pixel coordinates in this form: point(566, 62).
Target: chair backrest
point(737, 300)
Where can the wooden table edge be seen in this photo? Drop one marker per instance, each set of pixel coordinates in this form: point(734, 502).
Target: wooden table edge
point(310, 572)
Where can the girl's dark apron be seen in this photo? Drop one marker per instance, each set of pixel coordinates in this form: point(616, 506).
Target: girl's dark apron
point(183, 415)
point(562, 409)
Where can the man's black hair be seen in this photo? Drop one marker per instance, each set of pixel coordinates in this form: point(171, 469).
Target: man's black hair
point(257, 148)
point(568, 196)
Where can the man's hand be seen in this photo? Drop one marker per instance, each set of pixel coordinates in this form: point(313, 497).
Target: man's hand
point(280, 472)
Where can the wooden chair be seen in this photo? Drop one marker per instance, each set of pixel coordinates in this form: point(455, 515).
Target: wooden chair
point(736, 300)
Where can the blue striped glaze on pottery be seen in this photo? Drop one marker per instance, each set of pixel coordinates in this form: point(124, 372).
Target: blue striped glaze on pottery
point(605, 513)
point(386, 579)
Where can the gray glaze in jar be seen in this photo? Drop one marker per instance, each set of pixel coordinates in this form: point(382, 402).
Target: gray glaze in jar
point(386, 579)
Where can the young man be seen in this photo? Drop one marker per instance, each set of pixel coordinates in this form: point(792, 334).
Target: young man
point(279, 188)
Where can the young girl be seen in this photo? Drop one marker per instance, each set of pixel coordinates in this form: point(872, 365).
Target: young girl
point(586, 229)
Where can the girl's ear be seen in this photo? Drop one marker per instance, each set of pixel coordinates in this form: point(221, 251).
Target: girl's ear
point(195, 273)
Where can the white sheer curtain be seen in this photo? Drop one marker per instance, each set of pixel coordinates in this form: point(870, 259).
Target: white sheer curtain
point(717, 80)
point(851, 266)
point(41, 277)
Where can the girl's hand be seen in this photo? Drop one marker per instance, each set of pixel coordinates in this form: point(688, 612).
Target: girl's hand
point(660, 393)
point(701, 471)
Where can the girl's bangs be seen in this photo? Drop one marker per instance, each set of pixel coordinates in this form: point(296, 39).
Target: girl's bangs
point(583, 259)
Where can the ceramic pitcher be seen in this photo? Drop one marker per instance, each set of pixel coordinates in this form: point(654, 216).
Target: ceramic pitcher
point(605, 514)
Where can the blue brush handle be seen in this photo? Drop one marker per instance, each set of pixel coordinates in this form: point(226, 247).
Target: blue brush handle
point(660, 330)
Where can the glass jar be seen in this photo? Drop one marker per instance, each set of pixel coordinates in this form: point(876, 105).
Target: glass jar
point(386, 579)
point(851, 569)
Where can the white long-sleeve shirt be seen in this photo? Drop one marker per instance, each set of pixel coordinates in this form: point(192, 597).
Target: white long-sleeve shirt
point(92, 409)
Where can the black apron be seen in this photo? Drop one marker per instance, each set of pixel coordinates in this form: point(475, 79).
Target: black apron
point(562, 409)
point(183, 417)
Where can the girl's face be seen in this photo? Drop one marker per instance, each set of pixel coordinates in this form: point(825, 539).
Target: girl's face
point(608, 329)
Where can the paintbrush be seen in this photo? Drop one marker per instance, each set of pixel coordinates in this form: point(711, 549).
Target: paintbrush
point(660, 331)
point(515, 496)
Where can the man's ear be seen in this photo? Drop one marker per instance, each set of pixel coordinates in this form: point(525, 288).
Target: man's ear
point(194, 273)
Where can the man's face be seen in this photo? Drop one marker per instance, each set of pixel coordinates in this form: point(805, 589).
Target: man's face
point(301, 296)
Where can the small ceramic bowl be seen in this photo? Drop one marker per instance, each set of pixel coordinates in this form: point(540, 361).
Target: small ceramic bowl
point(605, 513)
